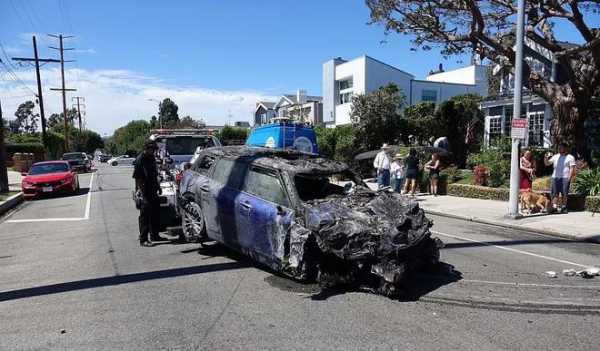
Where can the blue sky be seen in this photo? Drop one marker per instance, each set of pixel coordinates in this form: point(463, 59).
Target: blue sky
point(235, 50)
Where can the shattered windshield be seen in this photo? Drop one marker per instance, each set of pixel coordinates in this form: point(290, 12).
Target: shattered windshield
point(186, 145)
point(313, 187)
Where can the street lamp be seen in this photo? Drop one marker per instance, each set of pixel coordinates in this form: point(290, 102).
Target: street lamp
point(159, 119)
point(513, 200)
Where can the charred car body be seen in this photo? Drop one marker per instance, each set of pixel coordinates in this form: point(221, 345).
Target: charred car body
point(305, 216)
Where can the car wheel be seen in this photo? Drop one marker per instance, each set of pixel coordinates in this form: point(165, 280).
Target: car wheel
point(114, 163)
point(193, 225)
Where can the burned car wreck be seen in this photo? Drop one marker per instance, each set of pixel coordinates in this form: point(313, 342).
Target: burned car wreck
point(305, 216)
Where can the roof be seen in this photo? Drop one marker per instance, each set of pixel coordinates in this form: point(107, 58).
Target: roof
point(265, 104)
point(288, 160)
point(294, 99)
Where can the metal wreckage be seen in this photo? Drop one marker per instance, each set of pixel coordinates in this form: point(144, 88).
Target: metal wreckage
point(330, 227)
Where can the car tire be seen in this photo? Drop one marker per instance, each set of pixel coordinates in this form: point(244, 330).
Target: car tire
point(193, 225)
point(114, 163)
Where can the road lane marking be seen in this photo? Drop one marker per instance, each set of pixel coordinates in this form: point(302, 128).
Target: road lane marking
point(89, 198)
point(511, 249)
point(85, 217)
point(516, 284)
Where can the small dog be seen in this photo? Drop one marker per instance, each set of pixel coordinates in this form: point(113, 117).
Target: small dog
point(531, 201)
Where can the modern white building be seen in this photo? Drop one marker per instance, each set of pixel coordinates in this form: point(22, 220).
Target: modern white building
point(342, 79)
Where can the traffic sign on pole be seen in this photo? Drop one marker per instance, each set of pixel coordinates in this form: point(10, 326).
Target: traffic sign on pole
point(518, 128)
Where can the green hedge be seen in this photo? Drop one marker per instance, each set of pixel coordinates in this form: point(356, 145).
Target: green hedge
point(592, 203)
point(25, 148)
point(478, 192)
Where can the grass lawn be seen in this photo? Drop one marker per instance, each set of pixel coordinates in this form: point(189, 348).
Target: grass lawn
point(467, 179)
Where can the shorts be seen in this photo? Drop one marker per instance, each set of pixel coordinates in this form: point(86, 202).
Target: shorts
point(560, 186)
point(434, 175)
point(412, 174)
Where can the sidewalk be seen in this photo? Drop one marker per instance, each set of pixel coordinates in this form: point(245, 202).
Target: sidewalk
point(583, 226)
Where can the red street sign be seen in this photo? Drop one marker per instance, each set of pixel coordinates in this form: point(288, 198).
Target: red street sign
point(519, 128)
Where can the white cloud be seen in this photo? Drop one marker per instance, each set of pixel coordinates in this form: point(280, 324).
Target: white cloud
point(115, 97)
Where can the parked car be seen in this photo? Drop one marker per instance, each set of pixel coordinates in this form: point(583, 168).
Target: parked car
point(305, 216)
point(49, 177)
point(78, 161)
point(121, 160)
point(104, 158)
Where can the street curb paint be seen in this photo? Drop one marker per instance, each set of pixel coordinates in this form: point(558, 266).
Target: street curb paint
point(10, 203)
point(595, 239)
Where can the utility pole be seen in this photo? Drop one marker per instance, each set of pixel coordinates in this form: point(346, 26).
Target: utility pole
point(3, 171)
point(63, 89)
point(513, 200)
point(78, 108)
point(40, 97)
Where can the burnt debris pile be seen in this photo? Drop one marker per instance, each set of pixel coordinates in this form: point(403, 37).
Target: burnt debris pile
point(371, 241)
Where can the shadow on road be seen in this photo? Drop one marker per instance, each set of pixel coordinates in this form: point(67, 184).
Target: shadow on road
point(117, 280)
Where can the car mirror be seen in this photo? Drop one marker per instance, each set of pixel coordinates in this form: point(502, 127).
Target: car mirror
point(198, 149)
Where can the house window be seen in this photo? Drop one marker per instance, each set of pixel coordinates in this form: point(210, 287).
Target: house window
point(508, 117)
point(495, 128)
point(536, 129)
point(429, 95)
point(345, 98)
point(346, 83)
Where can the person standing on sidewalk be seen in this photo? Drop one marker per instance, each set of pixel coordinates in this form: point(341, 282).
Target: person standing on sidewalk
point(382, 165)
point(397, 172)
point(527, 168)
point(147, 189)
point(434, 173)
point(412, 172)
point(564, 171)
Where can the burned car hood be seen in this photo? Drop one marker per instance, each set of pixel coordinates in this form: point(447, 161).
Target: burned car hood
point(367, 225)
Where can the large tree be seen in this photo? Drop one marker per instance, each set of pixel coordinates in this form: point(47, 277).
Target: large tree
point(376, 117)
point(56, 120)
point(488, 29)
point(26, 118)
point(167, 113)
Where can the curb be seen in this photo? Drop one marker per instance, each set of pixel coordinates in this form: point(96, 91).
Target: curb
point(514, 226)
point(10, 203)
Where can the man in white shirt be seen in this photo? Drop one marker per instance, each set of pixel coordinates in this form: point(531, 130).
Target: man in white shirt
point(564, 171)
point(382, 166)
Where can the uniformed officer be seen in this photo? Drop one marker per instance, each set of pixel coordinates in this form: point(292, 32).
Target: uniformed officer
point(145, 174)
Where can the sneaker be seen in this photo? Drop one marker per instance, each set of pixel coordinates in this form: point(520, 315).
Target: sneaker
point(146, 244)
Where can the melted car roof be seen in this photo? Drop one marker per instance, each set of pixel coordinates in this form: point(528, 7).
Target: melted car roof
point(285, 159)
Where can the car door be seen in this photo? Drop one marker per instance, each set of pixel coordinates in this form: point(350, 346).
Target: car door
point(217, 198)
point(263, 213)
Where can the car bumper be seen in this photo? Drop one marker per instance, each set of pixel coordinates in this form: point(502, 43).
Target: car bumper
point(34, 191)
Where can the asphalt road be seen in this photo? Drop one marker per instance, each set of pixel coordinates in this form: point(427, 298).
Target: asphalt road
point(73, 278)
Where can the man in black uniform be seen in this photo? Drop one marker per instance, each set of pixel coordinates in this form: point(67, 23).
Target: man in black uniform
point(145, 174)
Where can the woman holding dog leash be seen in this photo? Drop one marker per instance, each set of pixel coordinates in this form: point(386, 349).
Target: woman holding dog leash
point(527, 168)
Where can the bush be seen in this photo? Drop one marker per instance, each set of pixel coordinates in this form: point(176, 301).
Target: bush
point(497, 164)
point(480, 175)
point(337, 143)
point(478, 192)
point(542, 184)
point(452, 174)
point(592, 203)
point(33, 148)
point(588, 182)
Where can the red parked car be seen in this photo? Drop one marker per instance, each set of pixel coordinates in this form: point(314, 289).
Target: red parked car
point(49, 177)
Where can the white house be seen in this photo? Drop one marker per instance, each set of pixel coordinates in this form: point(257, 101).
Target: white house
point(299, 107)
point(342, 79)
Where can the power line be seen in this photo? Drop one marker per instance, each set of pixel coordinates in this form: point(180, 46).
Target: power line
point(13, 74)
